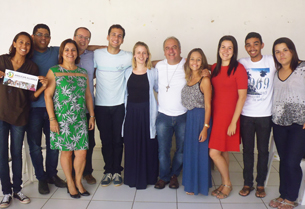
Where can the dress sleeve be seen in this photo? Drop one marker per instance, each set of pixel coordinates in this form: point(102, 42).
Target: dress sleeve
point(241, 77)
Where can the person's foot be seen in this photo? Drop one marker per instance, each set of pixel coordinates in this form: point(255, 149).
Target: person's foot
point(43, 187)
point(260, 192)
point(225, 192)
point(57, 181)
point(276, 202)
point(286, 204)
point(217, 191)
point(117, 179)
point(106, 180)
point(6, 201)
point(174, 184)
point(161, 184)
point(245, 191)
point(21, 197)
point(90, 179)
point(190, 193)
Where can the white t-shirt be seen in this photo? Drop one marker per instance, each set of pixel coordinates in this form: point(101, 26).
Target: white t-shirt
point(110, 69)
point(260, 86)
point(170, 98)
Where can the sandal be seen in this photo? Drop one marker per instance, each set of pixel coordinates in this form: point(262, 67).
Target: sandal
point(216, 191)
point(245, 191)
point(222, 195)
point(276, 202)
point(190, 193)
point(287, 205)
point(260, 192)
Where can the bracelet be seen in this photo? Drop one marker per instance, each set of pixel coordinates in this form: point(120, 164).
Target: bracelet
point(51, 119)
point(207, 125)
point(92, 116)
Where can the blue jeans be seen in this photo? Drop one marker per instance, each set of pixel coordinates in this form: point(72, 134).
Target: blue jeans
point(38, 122)
point(166, 126)
point(290, 145)
point(17, 135)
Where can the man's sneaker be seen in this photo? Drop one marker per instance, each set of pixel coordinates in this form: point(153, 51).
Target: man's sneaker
point(22, 198)
point(117, 180)
point(6, 201)
point(43, 187)
point(107, 178)
point(90, 179)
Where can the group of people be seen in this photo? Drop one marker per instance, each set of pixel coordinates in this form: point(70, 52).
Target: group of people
point(209, 114)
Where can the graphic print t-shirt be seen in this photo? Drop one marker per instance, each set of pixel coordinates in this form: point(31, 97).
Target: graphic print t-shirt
point(260, 86)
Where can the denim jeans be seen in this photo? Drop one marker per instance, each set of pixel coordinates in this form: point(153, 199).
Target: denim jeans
point(17, 135)
point(38, 122)
point(249, 126)
point(290, 145)
point(109, 121)
point(166, 126)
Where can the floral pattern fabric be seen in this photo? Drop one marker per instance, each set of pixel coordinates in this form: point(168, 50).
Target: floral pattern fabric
point(70, 110)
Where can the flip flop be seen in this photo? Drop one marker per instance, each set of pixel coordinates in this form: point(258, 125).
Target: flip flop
point(260, 192)
point(246, 191)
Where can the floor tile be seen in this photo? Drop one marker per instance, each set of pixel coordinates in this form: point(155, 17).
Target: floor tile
point(31, 190)
point(183, 197)
point(112, 193)
point(156, 195)
point(154, 205)
point(35, 203)
point(109, 205)
point(199, 206)
point(243, 206)
point(66, 204)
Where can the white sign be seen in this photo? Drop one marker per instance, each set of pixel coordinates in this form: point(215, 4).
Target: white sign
point(20, 80)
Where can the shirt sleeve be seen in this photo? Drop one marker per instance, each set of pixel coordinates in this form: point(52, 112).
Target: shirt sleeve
point(241, 77)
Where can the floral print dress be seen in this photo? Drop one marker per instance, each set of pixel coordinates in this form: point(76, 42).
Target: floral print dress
point(70, 109)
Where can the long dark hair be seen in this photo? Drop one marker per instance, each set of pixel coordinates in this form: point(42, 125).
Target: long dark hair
point(12, 50)
point(233, 62)
point(295, 58)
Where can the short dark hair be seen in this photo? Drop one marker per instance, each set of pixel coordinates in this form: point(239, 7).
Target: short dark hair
point(116, 26)
point(12, 50)
point(75, 32)
point(61, 50)
point(41, 25)
point(233, 62)
point(295, 58)
point(254, 35)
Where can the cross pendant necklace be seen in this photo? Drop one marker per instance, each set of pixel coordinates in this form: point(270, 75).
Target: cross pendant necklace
point(168, 81)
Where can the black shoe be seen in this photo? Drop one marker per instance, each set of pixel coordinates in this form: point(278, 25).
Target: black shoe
point(86, 193)
point(43, 187)
point(57, 181)
point(75, 196)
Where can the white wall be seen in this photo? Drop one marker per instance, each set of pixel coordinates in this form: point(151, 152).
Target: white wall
point(196, 23)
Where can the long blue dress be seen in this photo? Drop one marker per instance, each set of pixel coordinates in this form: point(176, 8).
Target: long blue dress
point(196, 162)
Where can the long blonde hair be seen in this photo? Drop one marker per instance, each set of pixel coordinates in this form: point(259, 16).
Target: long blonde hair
point(188, 70)
point(147, 62)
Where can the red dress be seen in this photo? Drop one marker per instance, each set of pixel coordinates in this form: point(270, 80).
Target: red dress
point(225, 96)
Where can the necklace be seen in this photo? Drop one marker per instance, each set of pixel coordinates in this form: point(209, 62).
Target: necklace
point(168, 82)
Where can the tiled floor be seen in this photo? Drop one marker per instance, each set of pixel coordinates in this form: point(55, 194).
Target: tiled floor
point(124, 197)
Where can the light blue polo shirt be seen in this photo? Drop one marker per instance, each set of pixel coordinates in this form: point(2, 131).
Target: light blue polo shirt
point(110, 83)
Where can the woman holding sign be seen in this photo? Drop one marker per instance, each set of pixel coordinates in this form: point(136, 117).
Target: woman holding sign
point(14, 113)
point(66, 98)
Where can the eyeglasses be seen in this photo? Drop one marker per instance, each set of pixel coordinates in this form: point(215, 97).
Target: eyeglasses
point(83, 37)
point(40, 35)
